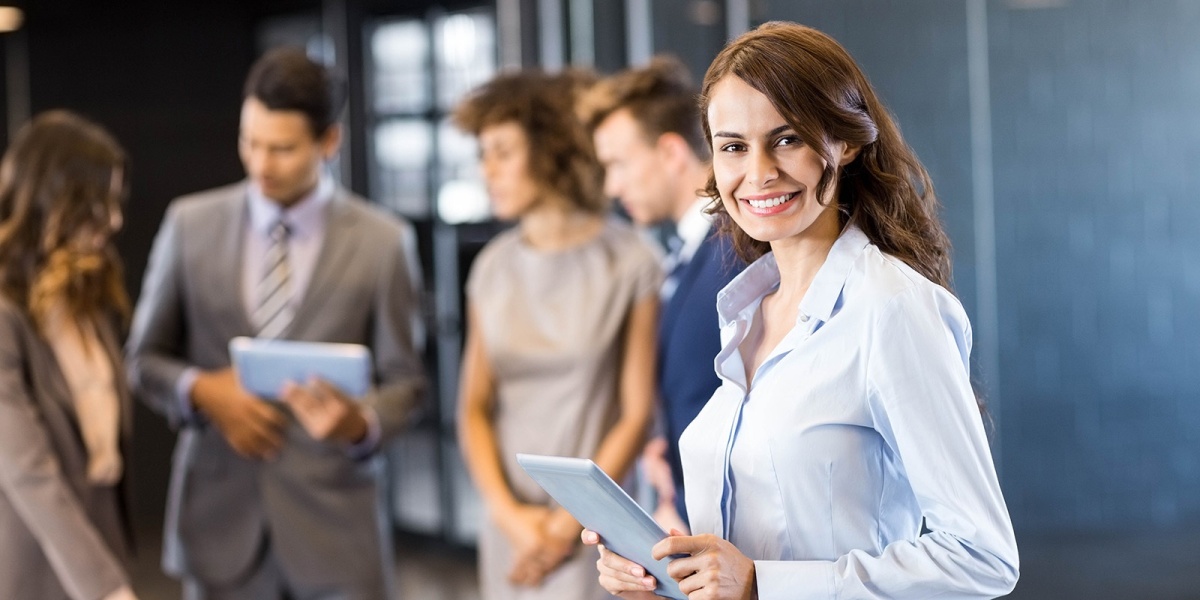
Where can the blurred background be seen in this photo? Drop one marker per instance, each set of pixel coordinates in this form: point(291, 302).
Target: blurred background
point(1063, 137)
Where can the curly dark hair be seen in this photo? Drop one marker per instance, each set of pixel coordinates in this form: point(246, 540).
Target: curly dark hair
point(561, 156)
point(824, 96)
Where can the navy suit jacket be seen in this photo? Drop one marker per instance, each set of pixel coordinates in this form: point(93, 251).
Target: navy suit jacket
point(689, 338)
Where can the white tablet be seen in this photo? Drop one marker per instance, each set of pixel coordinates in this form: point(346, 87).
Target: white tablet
point(264, 365)
point(597, 502)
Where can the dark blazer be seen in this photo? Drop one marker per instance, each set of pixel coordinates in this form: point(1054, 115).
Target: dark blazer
point(320, 507)
point(60, 536)
point(689, 338)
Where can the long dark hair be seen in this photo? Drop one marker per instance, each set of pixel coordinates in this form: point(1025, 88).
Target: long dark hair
point(823, 95)
point(59, 184)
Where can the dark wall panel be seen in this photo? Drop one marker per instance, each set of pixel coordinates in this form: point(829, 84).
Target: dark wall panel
point(915, 55)
point(165, 78)
point(1097, 143)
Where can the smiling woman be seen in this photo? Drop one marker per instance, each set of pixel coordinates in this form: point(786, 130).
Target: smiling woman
point(850, 457)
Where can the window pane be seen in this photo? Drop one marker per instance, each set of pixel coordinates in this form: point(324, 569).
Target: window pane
point(400, 55)
point(403, 150)
point(461, 195)
point(465, 55)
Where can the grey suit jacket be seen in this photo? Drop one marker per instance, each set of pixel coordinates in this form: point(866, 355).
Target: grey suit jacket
point(60, 536)
point(319, 507)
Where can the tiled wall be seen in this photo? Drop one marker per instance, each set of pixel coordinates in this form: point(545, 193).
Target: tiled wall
point(1096, 120)
point(1095, 141)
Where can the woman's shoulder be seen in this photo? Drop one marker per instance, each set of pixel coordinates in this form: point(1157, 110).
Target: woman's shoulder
point(9, 311)
point(14, 323)
point(882, 280)
point(502, 245)
point(628, 242)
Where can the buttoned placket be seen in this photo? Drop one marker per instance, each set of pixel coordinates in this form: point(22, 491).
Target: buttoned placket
point(805, 326)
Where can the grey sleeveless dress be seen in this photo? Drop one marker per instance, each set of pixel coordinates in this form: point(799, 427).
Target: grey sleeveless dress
point(553, 326)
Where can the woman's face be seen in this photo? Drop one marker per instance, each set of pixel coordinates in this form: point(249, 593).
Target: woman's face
point(504, 159)
point(107, 217)
point(766, 175)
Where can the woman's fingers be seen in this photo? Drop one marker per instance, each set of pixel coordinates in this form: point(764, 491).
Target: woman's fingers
point(621, 573)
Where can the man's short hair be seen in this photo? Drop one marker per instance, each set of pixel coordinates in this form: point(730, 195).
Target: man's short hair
point(285, 78)
point(661, 98)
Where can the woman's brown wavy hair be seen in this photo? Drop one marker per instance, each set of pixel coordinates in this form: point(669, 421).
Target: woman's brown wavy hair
point(823, 95)
point(561, 157)
point(60, 182)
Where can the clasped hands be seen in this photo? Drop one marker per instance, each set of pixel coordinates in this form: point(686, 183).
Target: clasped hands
point(254, 428)
point(541, 537)
point(711, 569)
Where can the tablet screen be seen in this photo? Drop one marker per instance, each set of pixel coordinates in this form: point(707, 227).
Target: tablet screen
point(264, 365)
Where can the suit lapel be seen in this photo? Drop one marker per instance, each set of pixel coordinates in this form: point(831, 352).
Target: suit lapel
point(334, 259)
point(687, 280)
point(228, 256)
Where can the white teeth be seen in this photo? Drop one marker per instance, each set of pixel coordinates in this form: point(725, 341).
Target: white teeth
point(770, 202)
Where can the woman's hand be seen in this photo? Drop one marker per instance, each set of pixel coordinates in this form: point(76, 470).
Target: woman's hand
point(524, 526)
point(713, 570)
point(121, 593)
point(618, 575)
point(562, 536)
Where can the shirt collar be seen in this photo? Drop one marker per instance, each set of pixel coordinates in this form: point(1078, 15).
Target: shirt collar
point(303, 218)
point(762, 276)
point(694, 225)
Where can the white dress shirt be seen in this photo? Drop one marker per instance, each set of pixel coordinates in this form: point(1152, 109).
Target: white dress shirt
point(693, 227)
point(860, 424)
point(690, 232)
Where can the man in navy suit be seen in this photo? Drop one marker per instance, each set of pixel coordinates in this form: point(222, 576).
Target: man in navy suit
point(648, 136)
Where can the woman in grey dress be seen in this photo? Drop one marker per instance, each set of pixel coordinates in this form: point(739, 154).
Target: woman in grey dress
point(64, 408)
point(559, 356)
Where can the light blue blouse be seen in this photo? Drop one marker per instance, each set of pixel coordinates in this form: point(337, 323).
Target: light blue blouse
point(860, 424)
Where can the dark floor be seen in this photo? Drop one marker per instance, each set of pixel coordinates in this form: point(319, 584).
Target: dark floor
point(426, 569)
point(1160, 565)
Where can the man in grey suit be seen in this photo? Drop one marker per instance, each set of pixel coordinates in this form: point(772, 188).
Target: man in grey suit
point(274, 500)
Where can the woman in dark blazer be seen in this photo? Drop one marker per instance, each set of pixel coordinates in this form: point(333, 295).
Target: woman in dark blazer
point(64, 409)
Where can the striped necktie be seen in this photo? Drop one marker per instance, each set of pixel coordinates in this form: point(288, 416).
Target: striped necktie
point(673, 267)
point(274, 311)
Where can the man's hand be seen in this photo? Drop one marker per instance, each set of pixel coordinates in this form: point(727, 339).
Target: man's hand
point(325, 412)
point(658, 470)
point(658, 473)
point(253, 428)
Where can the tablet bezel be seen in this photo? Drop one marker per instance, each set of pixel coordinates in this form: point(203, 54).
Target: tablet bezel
point(599, 504)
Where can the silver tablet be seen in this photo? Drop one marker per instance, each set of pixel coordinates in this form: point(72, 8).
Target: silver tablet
point(596, 501)
point(264, 365)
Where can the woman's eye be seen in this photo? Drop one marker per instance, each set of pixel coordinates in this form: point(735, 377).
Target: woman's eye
point(788, 140)
point(732, 148)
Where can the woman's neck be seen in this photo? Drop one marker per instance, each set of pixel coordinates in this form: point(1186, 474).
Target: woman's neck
point(558, 225)
point(799, 259)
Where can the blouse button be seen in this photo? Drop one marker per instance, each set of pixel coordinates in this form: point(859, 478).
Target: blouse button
point(803, 318)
